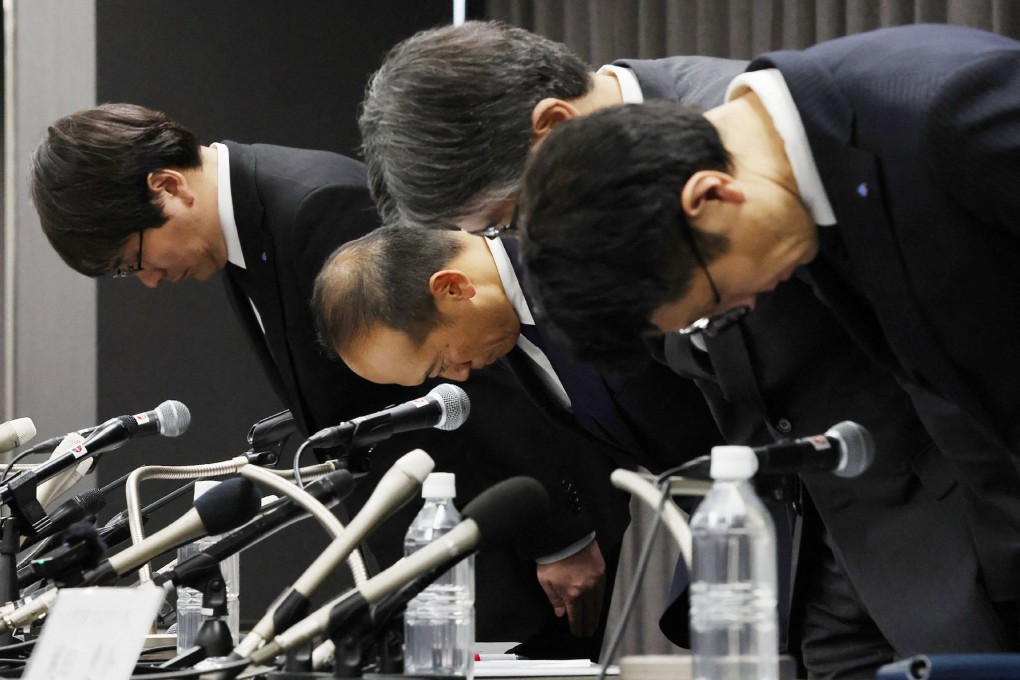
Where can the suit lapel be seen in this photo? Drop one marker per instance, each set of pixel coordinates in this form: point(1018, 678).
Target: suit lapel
point(590, 396)
point(259, 280)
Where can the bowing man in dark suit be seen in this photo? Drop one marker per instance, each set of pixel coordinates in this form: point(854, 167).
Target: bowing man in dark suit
point(787, 371)
point(871, 171)
point(268, 217)
point(402, 306)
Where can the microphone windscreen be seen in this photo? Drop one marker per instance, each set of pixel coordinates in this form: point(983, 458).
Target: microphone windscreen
point(85, 532)
point(858, 446)
point(456, 405)
point(23, 430)
point(508, 508)
point(174, 418)
point(228, 505)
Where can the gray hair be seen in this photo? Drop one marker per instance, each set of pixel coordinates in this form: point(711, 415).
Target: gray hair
point(446, 121)
point(381, 278)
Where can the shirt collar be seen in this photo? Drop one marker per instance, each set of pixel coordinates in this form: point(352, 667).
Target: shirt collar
point(630, 88)
point(771, 88)
point(226, 206)
point(508, 277)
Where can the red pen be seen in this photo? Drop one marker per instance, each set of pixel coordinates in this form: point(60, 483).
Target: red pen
point(499, 657)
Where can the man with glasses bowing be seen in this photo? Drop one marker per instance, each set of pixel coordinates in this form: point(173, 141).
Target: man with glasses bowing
point(123, 190)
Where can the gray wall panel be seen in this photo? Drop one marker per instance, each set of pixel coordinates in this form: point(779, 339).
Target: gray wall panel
point(50, 355)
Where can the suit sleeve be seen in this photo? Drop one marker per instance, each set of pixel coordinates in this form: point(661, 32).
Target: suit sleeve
point(974, 139)
point(505, 433)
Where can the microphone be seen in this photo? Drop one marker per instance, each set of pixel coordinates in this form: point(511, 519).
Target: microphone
point(328, 490)
point(15, 432)
point(845, 450)
point(514, 505)
point(223, 508)
point(396, 488)
point(445, 407)
point(170, 419)
point(87, 504)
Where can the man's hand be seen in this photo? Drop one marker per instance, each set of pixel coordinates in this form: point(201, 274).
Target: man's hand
point(575, 587)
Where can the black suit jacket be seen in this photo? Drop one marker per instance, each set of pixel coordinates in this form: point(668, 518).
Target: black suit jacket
point(900, 529)
point(654, 417)
point(915, 131)
point(293, 208)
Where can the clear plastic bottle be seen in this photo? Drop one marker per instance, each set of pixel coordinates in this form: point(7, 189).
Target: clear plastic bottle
point(189, 601)
point(439, 624)
point(734, 629)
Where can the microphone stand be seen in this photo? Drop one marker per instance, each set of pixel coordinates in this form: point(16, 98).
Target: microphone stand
point(214, 638)
point(10, 540)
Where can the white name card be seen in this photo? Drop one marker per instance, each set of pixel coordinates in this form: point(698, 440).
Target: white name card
point(94, 634)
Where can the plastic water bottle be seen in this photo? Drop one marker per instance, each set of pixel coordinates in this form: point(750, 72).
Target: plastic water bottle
point(189, 601)
point(439, 624)
point(734, 629)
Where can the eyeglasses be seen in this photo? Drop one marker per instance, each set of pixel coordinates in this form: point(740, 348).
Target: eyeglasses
point(124, 272)
point(494, 231)
point(711, 326)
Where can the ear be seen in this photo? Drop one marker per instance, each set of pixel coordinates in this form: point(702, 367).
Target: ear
point(546, 115)
point(165, 183)
point(450, 286)
point(706, 189)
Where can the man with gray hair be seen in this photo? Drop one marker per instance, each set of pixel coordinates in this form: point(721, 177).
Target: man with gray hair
point(449, 119)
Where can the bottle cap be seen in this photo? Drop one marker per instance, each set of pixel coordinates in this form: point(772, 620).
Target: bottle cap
point(733, 462)
point(439, 485)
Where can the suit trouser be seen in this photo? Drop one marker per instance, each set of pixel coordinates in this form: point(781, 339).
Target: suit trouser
point(837, 638)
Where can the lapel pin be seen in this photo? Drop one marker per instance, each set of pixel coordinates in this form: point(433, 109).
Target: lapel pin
point(264, 258)
point(862, 189)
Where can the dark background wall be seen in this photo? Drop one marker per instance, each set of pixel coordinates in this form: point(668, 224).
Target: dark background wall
point(289, 73)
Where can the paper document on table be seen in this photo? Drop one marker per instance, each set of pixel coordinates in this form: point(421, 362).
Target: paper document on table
point(539, 668)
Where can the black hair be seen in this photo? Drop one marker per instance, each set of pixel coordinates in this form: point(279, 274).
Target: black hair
point(90, 179)
point(604, 237)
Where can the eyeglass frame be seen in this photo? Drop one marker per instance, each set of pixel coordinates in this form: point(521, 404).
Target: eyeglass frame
point(710, 326)
point(495, 231)
point(124, 272)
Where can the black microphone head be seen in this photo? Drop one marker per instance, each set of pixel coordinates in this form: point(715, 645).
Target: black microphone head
point(856, 445)
point(505, 509)
point(173, 417)
point(92, 501)
point(337, 484)
point(228, 505)
point(455, 403)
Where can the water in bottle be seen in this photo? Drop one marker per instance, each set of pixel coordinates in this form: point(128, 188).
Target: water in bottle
point(439, 624)
point(734, 630)
point(189, 600)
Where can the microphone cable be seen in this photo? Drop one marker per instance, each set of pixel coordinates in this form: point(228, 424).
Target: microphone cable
point(16, 647)
point(695, 468)
point(639, 576)
point(10, 465)
point(212, 671)
point(297, 464)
